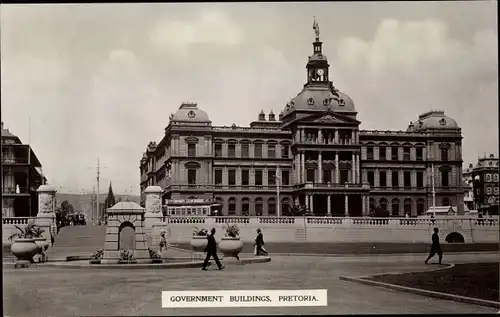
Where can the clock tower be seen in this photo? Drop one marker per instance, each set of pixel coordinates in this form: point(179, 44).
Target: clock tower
point(317, 65)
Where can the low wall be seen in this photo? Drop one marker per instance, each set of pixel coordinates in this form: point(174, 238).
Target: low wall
point(9, 227)
point(321, 230)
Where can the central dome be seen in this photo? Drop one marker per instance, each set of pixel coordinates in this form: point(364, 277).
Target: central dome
point(191, 113)
point(320, 98)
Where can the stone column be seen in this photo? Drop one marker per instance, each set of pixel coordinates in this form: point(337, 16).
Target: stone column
point(311, 203)
point(353, 168)
point(353, 136)
point(301, 135)
point(337, 170)
point(328, 205)
point(346, 205)
point(336, 136)
point(46, 216)
point(358, 172)
point(307, 201)
point(320, 137)
point(320, 168)
point(303, 167)
point(153, 208)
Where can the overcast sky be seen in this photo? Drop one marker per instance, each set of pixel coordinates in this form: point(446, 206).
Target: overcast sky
point(100, 80)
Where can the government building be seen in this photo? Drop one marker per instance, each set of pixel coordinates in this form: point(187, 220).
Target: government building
point(313, 154)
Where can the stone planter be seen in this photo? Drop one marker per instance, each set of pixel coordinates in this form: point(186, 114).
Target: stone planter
point(198, 243)
point(127, 262)
point(157, 260)
point(94, 261)
point(231, 247)
point(25, 249)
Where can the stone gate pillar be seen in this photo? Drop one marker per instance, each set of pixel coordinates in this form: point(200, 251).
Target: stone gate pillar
point(153, 207)
point(46, 216)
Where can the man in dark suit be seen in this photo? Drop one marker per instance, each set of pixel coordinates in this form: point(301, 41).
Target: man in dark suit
point(211, 250)
point(259, 243)
point(436, 247)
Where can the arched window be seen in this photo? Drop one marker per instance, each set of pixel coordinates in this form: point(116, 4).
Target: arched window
point(407, 206)
point(383, 204)
point(271, 207)
point(245, 206)
point(495, 178)
point(420, 207)
point(285, 205)
point(488, 190)
point(395, 207)
point(445, 202)
point(372, 204)
point(231, 204)
point(219, 201)
point(488, 177)
point(258, 206)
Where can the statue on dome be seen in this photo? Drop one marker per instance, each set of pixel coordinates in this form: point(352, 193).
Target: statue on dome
point(316, 29)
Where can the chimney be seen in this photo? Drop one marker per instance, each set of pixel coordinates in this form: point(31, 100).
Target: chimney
point(271, 116)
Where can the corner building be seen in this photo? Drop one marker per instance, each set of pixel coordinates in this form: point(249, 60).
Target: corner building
point(315, 151)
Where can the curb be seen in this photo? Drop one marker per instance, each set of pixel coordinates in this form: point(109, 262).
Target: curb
point(174, 265)
point(422, 292)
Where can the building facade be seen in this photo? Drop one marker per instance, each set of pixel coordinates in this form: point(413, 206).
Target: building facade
point(485, 183)
point(21, 177)
point(314, 155)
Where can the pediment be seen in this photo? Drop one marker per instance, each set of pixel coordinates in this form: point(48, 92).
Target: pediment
point(191, 139)
point(329, 117)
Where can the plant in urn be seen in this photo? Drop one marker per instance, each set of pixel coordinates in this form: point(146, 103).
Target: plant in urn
point(231, 245)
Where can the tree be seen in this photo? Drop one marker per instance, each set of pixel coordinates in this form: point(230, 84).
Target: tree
point(110, 200)
point(66, 209)
point(378, 212)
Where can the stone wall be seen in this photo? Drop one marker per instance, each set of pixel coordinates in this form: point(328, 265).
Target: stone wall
point(336, 230)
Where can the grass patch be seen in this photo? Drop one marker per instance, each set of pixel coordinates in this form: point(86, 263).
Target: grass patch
point(476, 280)
point(363, 248)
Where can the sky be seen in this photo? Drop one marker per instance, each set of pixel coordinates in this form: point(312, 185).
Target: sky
point(82, 81)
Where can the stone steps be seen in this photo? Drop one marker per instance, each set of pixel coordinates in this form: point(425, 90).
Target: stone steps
point(300, 235)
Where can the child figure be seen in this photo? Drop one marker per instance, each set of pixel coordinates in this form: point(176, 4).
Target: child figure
point(163, 241)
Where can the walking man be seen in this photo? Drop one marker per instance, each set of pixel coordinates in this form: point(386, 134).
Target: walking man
point(211, 250)
point(436, 247)
point(259, 244)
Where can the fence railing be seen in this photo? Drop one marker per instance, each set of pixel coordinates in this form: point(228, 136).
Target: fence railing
point(17, 220)
point(15, 190)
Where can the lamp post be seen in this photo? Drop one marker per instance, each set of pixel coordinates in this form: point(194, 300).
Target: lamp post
point(278, 179)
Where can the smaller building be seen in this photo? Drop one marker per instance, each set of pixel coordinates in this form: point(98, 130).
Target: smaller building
point(485, 184)
point(21, 177)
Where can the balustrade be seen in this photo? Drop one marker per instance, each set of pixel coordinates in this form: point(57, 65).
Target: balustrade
point(370, 221)
point(17, 220)
point(241, 220)
point(186, 220)
point(276, 220)
point(324, 221)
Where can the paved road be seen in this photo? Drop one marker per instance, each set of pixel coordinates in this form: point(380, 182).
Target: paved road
point(69, 292)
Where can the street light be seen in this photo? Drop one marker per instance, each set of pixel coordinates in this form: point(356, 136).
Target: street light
point(278, 179)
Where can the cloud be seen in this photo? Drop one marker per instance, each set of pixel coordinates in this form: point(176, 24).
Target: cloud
point(409, 67)
point(210, 26)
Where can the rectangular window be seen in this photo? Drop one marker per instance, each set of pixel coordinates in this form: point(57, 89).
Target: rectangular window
point(232, 177)
point(344, 176)
point(258, 178)
point(231, 150)
point(394, 153)
point(191, 150)
point(382, 153)
point(444, 154)
point(310, 175)
point(369, 153)
point(406, 154)
point(420, 154)
point(383, 178)
point(244, 150)
point(192, 177)
point(231, 209)
point(218, 177)
point(444, 179)
point(371, 178)
point(395, 179)
point(258, 150)
point(271, 150)
point(284, 151)
point(271, 177)
point(218, 150)
point(407, 178)
point(245, 177)
point(285, 178)
point(420, 179)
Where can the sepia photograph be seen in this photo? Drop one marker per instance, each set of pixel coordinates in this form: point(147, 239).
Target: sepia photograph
point(249, 158)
